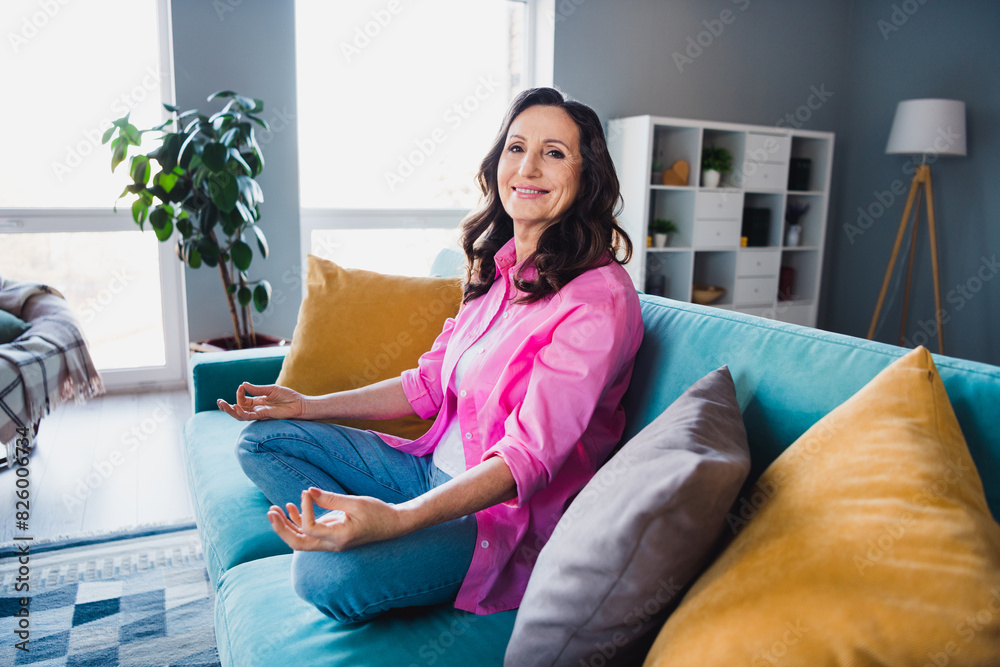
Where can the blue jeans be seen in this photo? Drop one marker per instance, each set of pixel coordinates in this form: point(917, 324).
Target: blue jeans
point(426, 567)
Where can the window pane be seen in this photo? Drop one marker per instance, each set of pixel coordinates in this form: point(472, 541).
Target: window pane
point(112, 281)
point(401, 252)
point(66, 71)
point(398, 103)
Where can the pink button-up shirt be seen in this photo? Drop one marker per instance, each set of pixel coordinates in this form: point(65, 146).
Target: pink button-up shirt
point(545, 396)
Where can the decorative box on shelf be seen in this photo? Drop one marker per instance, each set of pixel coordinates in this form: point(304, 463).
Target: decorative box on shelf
point(732, 236)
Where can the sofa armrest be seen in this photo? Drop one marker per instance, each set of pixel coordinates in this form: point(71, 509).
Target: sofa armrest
point(216, 375)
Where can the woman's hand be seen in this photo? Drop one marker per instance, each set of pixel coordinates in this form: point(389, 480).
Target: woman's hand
point(269, 401)
point(361, 519)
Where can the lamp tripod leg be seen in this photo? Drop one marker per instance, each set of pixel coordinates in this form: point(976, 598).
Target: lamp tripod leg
point(895, 253)
point(934, 255)
point(909, 267)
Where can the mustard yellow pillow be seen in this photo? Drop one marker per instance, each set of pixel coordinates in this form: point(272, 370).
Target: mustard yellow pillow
point(357, 327)
point(874, 546)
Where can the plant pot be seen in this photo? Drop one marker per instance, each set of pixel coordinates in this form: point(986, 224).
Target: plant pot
point(661, 240)
point(226, 343)
point(710, 178)
point(793, 237)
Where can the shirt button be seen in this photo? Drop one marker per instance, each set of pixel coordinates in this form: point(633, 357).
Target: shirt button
point(505, 315)
point(463, 393)
point(468, 436)
point(484, 544)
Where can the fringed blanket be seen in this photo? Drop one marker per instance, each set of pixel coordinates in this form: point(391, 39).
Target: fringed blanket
point(44, 367)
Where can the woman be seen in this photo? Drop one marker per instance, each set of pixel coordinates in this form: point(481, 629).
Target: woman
point(526, 383)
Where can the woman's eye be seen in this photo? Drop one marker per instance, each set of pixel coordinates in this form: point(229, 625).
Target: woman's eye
point(556, 154)
point(514, 149)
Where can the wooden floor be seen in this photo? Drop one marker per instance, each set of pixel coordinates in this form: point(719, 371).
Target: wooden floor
point(110, 464)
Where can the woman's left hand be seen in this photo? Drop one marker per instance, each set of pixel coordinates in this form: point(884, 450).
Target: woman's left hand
point(361, 520)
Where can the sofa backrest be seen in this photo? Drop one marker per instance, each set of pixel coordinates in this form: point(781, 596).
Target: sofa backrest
point(788, 377)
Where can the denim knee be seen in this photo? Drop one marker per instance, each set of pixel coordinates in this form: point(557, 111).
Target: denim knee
point(253, 435)
point(314, 581)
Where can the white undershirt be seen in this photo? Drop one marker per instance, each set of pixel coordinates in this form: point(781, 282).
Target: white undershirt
point(449, 456)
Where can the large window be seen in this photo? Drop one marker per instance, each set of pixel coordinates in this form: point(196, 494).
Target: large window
point(398, 103)
point(68, 70)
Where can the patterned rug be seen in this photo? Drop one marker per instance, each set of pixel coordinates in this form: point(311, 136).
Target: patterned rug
point(141, 602)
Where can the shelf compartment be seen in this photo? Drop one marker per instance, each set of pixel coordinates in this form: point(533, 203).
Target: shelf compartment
point(675, 270)
point(717, 267)
point(677, 205)
point(804, 263)
point(817, 151)
point(812, 219)
point(671, 144)
point(774, 204)
point(734, 142)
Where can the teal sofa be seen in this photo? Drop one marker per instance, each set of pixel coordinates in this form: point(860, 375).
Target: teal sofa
point(787, 378)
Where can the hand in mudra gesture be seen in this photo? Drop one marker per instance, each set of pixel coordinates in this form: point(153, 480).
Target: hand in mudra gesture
point(360, 520)
point(269, 401)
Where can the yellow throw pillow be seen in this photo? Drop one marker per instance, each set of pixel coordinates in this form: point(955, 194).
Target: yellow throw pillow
point(873, 545)
point(358, 327)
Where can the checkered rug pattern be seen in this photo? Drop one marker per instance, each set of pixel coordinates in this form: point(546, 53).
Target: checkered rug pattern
point(140, 602)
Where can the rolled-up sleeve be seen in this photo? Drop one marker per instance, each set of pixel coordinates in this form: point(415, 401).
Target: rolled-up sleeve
point(422, 385)
point(590, 350)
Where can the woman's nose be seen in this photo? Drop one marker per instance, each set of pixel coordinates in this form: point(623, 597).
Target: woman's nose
point(529, 165)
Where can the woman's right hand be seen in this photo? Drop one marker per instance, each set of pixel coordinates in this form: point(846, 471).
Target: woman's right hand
point(269, 401)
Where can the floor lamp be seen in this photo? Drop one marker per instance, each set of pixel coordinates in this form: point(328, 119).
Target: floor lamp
point(928, 128)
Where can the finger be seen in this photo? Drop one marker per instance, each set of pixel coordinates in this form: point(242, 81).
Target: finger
point(293, 514)
point(230, 410)
point(327, 499)
point(241, 395)
point(308, 516)
point(285, 530)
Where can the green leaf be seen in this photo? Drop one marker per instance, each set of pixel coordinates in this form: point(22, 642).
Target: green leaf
point(170, 107)
point(224, 191)
point(262, 296)
point(180, 249)
point(221, 93)
point(118, 150)
point(214, 156)
point(184, 147)
point(209, 251)
point(107, 134)
point(131, 134)
point(244, 296)
point(242, 255)
point(185, 114)
point(261, 241)
point(260, 121)
point(167, 181)
point(164, 232)
point(139, 210)
point(244, 214)
point(185, 227)
point(140, 169)
point(229, 136)
point(235, 155)
point(193, 256)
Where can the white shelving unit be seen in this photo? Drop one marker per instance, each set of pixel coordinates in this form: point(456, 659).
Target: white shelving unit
point(707, 248)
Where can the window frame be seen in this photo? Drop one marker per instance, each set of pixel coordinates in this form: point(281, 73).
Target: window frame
point(41, 220)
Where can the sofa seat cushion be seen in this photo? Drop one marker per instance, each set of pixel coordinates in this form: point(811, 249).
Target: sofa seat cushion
point(260, 620)
point(231, 512)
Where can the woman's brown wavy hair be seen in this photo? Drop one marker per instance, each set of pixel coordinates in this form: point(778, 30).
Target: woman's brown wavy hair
point(587, 235)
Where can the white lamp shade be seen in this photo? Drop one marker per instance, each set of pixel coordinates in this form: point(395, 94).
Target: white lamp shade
point(928, 126)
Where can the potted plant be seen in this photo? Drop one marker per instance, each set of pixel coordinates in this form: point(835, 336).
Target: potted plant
point(204, 188)
point(715, 161)
point(793, 212)
point(657, 169)
point(661, 229)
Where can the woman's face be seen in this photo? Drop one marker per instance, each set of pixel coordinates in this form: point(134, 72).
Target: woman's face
point(538, 175)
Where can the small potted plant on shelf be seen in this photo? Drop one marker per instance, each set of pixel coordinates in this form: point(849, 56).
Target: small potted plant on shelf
point(793, 212)
point(204, 189)
point(661, 229)
point(715, 161)
point(657, 169)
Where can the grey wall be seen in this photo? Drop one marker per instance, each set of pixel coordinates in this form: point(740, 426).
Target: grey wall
point(763, 59)
point(247, 46)
point(948, 50)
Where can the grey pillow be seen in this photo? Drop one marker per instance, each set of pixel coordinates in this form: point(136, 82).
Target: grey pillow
point(640, 530)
